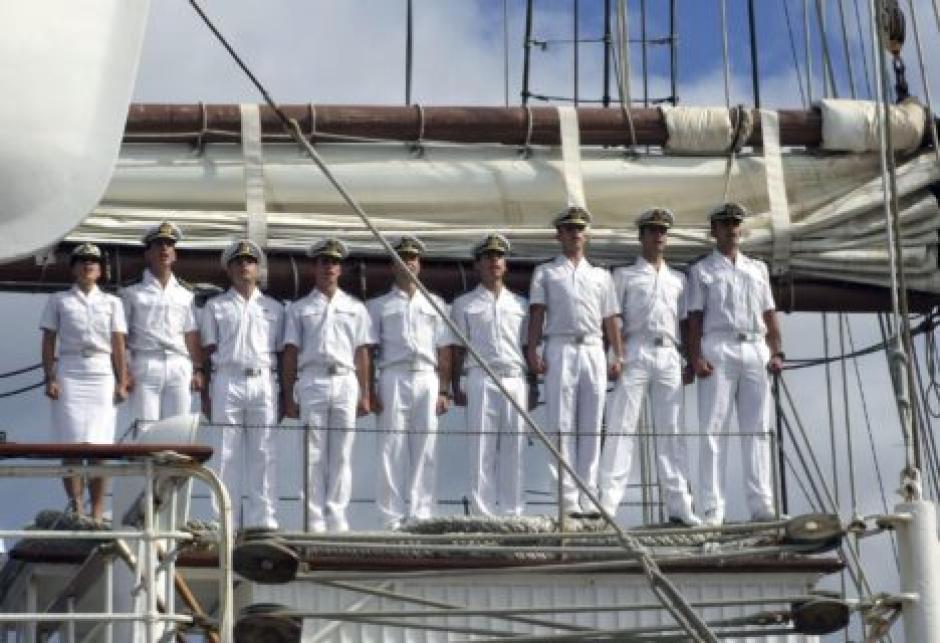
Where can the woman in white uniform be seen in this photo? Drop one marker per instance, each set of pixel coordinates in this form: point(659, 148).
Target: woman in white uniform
point(90, 376)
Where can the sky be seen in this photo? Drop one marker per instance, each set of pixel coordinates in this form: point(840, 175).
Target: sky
point(352, 51)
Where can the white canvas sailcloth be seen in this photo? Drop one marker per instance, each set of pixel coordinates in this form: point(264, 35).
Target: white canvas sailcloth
point(67, 75)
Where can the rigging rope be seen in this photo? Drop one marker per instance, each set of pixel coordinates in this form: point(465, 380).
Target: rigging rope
point(861, 44)
point(793, 54)
point(621, 58)
point(808, 51)
point(853, 564)
point(850, 448)
point(846, 49)
point(723, 8)
point(828, 75)
point(687, 619)
point(899, 359)
point(20, 391)
point(20, 371)
point(871, 438)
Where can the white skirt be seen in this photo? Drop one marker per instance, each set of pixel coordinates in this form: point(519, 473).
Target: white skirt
point(85, 411)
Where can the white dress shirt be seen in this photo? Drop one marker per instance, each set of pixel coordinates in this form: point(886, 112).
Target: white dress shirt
point(83, 322)
point(652, 302)
point(246, 333)
point(407, 328)
point(327, 331)
point(733, 294)
point(496, 326)
point(158, 318)
point(577, 297)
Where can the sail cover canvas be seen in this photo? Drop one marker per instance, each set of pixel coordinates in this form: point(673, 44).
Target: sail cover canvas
point(451, 194)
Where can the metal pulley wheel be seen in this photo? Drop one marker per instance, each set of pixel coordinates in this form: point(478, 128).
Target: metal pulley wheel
point(821, 615)
point(265, 559)
point(267, 623)
point(822, 530)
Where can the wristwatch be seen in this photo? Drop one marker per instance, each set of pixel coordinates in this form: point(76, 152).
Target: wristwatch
point(780, 354)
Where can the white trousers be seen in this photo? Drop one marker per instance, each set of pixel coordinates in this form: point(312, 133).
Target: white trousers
point(84, 412)
point(741, 382)
point(328, 410)
point(658, 372)
point(496, 447)
point(247, 408)
point(161, 385)
point(575, 388)
point(407, 443)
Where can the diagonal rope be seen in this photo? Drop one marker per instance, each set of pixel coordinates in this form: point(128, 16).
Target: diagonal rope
point(808, 51)
point(846, 49)
point(723, 9)
point(849, 446)
point(672, 599)
point(793, 54)
point(864, 49)
point(828, 74)
point(871, 437)
point(853, 562)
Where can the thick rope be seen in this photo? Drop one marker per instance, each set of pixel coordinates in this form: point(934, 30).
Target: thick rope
point(674, 602)
point(899, 358)
point(828, 75)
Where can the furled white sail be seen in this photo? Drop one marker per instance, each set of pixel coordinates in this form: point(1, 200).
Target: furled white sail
point(451, 194)
point(67, 75)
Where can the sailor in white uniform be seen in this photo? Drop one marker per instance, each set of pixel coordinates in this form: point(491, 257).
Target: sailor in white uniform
point(89, 377)
point(652, 309)
point(414, 362)
point(734, 341)
point(574, 304)
point(166, 359)
point(326, 370)
point(494, 320)
point(242, 333)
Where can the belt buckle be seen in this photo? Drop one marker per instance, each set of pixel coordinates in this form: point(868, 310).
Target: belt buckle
point(659, 341)
point(252, 372)
point(741, 337)
point(414, 364)
point(579, 339)
point(88, 352)
point(332, 369)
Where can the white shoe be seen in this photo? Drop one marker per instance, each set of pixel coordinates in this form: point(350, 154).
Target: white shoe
point(713, 517)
